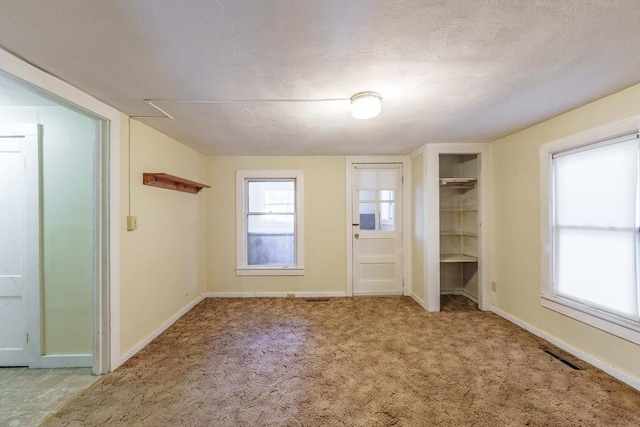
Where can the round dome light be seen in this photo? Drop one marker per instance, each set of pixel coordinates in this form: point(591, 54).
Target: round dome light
point(366, 105)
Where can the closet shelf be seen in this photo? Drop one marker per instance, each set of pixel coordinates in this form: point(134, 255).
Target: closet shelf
point(457, 258)
point(459, 209)
point(172, 182)
point(465, 183)
point(458, 233)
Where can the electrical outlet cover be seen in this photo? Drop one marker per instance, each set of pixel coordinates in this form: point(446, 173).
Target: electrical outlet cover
point(132, 223)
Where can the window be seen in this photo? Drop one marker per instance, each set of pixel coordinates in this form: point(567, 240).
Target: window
point(593, 233)
point(269, 211)
point(377, 199)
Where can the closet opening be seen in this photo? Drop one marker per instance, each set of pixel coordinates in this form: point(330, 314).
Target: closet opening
point(459, 225)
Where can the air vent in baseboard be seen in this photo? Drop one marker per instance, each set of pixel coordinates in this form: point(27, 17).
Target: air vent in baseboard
point(560, 358)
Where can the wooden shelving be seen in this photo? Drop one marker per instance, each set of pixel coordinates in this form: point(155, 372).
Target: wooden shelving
point(458, 197)
point(463, 183)
point(172, 182)
point(458, 209)
point(457, 258)
point(458, 233)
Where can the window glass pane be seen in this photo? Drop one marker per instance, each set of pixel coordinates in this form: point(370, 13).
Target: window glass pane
point(387, 217)
point(270, 242)
point(271, 196)
point(597, 266)
point(367, 195)
point(278, 200)
point(387, 195)
point(367, 216)
point(387, 178)
point(597, 187)
point(377, 178)
point(367, 178)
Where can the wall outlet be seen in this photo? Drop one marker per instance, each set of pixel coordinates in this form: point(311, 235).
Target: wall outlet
point(132, 222)
point(291, 295)
point(494, 286)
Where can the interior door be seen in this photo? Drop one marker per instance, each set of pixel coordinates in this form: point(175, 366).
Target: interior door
point(19, 239)
point(377, 229)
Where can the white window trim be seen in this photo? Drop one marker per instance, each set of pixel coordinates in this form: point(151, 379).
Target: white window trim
point(615, 325)
point(242, 269)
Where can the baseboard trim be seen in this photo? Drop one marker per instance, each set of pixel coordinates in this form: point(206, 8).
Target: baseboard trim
point(66, 361)
point(459, 292)
point(419, 300)
point(274, 294)
point(378, 294)
point(142, 344)
point(603, 366)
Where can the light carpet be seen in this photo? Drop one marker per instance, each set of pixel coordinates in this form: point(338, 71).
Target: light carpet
point(349, 361)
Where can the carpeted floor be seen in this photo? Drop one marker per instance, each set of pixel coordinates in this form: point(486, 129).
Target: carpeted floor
point(349, 361)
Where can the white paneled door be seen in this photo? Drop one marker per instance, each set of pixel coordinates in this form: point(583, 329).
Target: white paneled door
point(377, 229)
point(19, 239)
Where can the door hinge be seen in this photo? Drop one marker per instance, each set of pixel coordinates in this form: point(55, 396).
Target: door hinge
point(27, 338)
point(403, 283)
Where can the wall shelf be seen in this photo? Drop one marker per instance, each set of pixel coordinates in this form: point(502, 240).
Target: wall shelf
point(458, 209)
point(172, 182)
point(458, 233)
point(463, 183)
point(457, 258)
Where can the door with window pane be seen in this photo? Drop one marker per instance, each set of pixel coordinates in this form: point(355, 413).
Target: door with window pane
point(377, 229)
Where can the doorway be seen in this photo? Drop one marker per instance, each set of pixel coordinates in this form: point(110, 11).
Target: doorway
point(457, 212)
point(459, 225)
point(376, 228)
point(52, 261)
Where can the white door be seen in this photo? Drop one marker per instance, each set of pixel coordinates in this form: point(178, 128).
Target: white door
point(19, 239)
point(377, 229)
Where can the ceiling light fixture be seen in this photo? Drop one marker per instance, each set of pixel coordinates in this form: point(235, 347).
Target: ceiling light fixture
point(366, 105)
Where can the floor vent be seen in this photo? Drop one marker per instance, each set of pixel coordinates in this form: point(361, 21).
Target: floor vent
point(566, 362)
point(317, 299)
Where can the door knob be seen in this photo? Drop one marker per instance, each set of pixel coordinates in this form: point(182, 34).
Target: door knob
point(357, 236)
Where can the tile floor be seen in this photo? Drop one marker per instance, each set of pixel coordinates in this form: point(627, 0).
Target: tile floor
point(29, 396)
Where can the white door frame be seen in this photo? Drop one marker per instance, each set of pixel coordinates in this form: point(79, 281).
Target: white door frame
point(32, 135)
point(406, 215)
point(34, 245)
point(107, 327)
point(431, 159)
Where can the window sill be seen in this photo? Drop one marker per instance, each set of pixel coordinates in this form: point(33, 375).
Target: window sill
point(622, 328)
point(270, 271)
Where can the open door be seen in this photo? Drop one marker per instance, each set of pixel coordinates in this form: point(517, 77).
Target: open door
point(19, 245)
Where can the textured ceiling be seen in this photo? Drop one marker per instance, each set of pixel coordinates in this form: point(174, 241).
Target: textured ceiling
point(449, 71)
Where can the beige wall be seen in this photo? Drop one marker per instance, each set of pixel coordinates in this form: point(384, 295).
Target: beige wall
point(324, 222)
point(163, 261)
point(67, 225)
point(418, 232)
point(516, 252)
